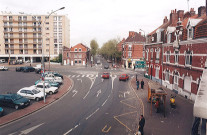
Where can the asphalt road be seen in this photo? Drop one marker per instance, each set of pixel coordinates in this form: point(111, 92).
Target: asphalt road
point(93, 106)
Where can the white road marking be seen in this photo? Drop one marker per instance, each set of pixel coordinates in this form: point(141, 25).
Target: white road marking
point(71, 129)
point(82, 75)
point(78, 76)
point(98, 92)
point(92, 114)
point(73, 76)
point(80, 80)
point(69, 75)
point(87, 75)
point(113, 80)
point(75, 92)
point(126, 93)
point(105, 102)
point(96, 75)
point(30, 129)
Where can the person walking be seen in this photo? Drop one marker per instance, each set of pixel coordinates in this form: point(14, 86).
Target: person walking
point(141, 124)
point(142, 84)
point(137, 84)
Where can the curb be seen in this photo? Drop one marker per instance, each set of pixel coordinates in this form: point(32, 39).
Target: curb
point(42, 107)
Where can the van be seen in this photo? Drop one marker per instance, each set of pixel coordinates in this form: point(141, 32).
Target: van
point(2, 60)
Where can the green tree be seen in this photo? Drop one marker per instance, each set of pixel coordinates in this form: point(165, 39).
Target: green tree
point(94, 47)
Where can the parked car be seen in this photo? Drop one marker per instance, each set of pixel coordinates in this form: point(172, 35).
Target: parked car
point(2, 60)
point(31, 93)
point(29, 69)
point(106, 66)
point(52, 83)
point(19, 69)
point(3, 68)
point(105, 75)
point(1, 111)
point(14, 100)
point(123, 77)
point(38, 66)
point(98, 62)
point(54, 78)
point(48, 89)
point(27, 61)
point(54, 73)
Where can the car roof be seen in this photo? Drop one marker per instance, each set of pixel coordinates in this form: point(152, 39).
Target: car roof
point(28, 88)
point(106, 72)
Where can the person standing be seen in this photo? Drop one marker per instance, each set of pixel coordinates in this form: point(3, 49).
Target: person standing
point(141, 124)
point(142, 84)
point(137, 84)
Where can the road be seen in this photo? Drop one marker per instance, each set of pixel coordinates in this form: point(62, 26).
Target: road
point(93, 106)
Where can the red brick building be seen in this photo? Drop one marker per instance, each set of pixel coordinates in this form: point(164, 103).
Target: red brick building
point(184, 49)
point(76, 55)
point(132, 49)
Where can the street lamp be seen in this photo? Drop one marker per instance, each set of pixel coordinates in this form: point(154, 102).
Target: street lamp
point(43, 68)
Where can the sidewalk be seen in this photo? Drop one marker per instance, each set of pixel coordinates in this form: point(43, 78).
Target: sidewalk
point(67, 83)
point(176, 122)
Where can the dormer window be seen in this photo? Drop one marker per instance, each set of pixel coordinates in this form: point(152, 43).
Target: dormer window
point(80, 49)
point(76, 49)
point(190, 33)
point(169, 35)
point(158, 36)
point(130, 47)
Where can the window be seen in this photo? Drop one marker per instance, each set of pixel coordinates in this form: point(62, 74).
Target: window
point(158, 54)
point(46, 17)
point(79, 61)
point(55, 40)
point(55, 23)
point(67, 54)
point(25, 51)
point(76, 61)
point(129, 54)
point(167, 76)
point(80, 56)
point(60, 40)
point(55, 29)
point(76, 49)
point(55, 18)
point(12, 51)
point(20, 29)
point(60, 29)
point(47, 28)
point(157, 70)
point(47, 23)
point(176, 79)
point(151, 50)
point(80, 49)
point(187, 83)
point(168, 56)
point(47, 50)
point(169, 37)
point(158, 36)
point(75, 56)
point(130, 47)
point(60, 18)
point(190, 33)
point(176, 57)
point(60, 23)
point(188, 58)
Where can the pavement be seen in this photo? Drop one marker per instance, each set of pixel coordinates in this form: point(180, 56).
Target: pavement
point(67, 84)
point(177, 121)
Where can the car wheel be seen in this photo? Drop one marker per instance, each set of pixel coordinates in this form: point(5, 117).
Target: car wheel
point(16, 107)
point(119, 79)
point(37, 99)
point(50, 92)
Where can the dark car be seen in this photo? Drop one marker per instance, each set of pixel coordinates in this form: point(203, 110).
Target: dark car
point(14, 100)
point(29, 69)
point(123, 77)
point(19, 69)
point(106, 66)
point(1, 111)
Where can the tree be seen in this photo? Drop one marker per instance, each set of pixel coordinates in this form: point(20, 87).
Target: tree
point(94, 47)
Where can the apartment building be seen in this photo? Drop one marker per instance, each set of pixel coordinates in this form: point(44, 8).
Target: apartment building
point(28, 37)
point(176, 51)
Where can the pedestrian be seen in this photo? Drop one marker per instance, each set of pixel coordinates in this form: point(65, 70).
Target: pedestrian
point(125, 66)
point(142, 84)
point(141, 124)
point(137, 84)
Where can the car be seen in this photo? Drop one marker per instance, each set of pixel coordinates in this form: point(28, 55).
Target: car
point(2, 61)
point(19, 69)
point(105, 75)
point(14, 100)
point(98, 62)
point(106, 66)
point(38, 70)
point(54, 73)
point(123, 77)
point(1, 111)
point(3, 68)
point(48, 88)
point(31, 93)
point(52, 83)
point(29, 69)
point(38, 66)
point(109, 61)
point(54, 78)
point(27, 61)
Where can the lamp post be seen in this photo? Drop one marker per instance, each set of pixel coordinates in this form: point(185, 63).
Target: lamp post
point(43, 68)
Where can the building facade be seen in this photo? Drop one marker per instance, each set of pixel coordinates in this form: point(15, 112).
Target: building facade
point(28, 37)
point(76, 55)
point(132, 49)
point(183, 52)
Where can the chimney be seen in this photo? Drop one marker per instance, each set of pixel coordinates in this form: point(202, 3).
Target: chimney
point(201, 11)
point(140, 33)
point(181, 14)
point(165, 20)
point(173, 17)
point(192, 12)
point(131, 34)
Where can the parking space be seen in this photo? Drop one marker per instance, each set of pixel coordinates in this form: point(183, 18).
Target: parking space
point(12, 81)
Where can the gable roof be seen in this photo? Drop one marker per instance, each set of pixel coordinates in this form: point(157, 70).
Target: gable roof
point(136, 38)
point(163, 26)
point(81, 45)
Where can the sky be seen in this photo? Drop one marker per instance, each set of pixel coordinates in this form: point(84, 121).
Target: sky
point(103, 20)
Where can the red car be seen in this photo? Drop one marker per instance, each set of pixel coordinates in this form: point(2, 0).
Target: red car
point(105, 75)
point(123, 77)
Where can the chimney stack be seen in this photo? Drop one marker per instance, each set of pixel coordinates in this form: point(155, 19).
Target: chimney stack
point(181, 14)
point(173, 17)
point(192, 12)
point(131, 33)
point(165, 20)
point(201, 11)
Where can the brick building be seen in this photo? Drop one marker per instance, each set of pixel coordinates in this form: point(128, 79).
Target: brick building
point(132, 49)
point(183, 51)
point(76, 55)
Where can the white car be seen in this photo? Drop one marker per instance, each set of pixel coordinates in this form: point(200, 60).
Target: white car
point(53, 78)
point(37, 66)
point(3, 68)
point(48, 89)
point(31, 93)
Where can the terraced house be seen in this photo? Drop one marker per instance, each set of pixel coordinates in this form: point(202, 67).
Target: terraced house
point(176, 52)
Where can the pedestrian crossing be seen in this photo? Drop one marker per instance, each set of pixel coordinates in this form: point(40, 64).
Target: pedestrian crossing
point(88, 76)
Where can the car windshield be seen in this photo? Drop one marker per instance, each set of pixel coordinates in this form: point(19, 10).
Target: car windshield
point(35, 91)
point(16, 97)
point(105, 73)
point(122, 75)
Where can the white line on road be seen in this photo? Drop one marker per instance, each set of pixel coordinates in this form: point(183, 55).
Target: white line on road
point(75, 92)
point(92, 114)
point(80, 80)
point(71, 129)
point(82, 75)
point(73, 76)
point(105, 102)
point(98, 92)
point(69, 75)
point(78, 76)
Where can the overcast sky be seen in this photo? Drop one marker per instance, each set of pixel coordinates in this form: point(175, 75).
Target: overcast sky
point(104, 19)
